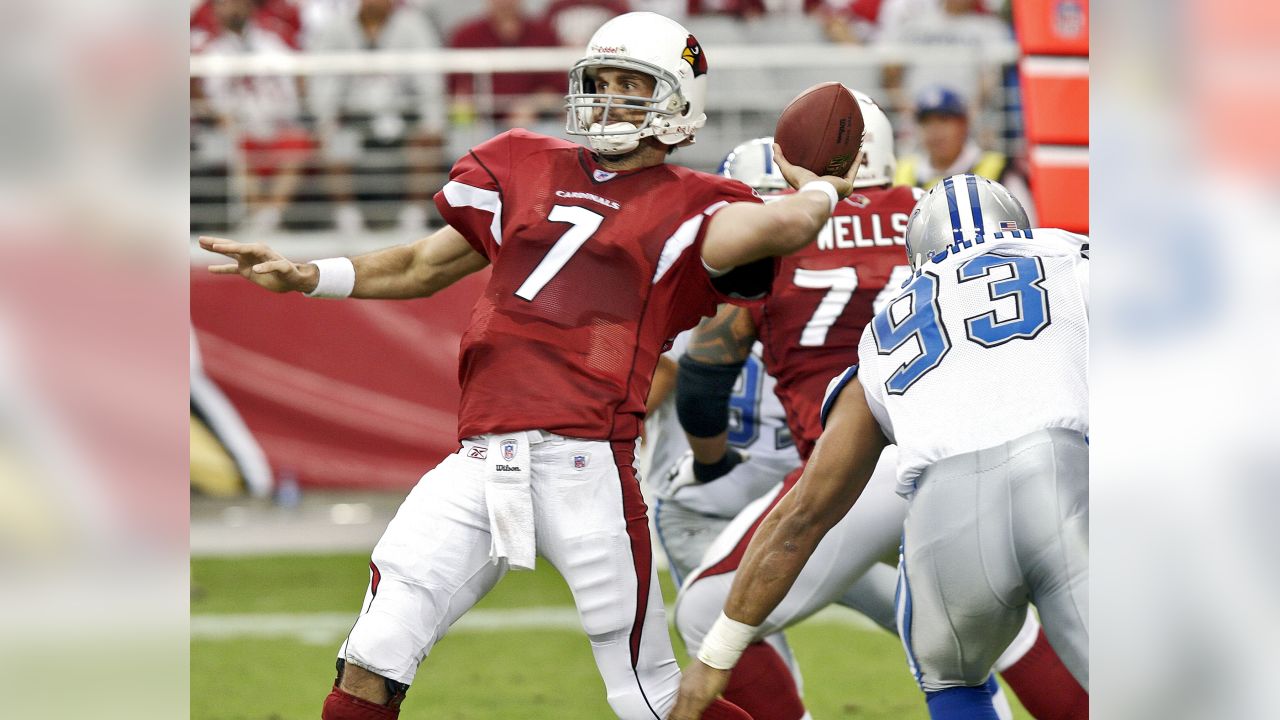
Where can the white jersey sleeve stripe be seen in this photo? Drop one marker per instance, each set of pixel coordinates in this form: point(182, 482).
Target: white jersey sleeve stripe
point(676, 244)
point(462, 195)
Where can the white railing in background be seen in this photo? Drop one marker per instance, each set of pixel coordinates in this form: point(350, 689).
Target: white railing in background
point(724, 57)
point(749, 85)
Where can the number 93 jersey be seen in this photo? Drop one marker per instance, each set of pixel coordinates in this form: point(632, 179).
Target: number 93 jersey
point(988, 342)
point(593, 271)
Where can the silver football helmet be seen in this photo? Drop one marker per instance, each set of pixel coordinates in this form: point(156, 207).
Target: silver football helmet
point(957, 210)
point(752, 163)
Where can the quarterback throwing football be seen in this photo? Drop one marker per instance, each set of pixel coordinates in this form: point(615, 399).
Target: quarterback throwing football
point(599, 256)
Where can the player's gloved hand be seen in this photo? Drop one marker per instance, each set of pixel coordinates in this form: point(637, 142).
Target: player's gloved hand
point(691, 472)
point(705, 473)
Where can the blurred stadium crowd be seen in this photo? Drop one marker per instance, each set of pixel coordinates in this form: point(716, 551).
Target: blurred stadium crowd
point(337, 147)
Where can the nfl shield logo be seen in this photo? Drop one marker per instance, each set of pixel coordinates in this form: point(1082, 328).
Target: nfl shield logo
point(579, 462)
point(508, 450)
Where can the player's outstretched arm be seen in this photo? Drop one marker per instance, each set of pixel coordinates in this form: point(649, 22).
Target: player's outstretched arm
point(835, 476)
point(418, 269)
point(744, 232)
point(837, 471)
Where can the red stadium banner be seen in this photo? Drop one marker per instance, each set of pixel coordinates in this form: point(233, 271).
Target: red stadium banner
point(341, 394)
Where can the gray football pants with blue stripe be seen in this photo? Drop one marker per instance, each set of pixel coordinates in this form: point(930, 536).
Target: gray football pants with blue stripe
point(987, 533)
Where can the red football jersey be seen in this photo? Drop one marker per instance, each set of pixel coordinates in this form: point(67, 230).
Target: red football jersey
point(593, 271)
point(823, 296)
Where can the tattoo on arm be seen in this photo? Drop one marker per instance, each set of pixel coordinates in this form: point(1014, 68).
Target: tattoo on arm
point(725, 338)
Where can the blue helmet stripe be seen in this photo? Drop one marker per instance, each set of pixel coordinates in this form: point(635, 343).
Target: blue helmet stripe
point(957, 233)
point(976, 205)
point(768, 159)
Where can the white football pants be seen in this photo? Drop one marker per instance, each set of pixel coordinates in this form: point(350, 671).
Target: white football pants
point(432, 565)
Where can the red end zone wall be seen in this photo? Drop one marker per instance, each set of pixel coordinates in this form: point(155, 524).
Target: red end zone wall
point(1054, 38)
point(343, 394)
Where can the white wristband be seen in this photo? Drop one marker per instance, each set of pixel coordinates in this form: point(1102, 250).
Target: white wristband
point(336, 278)
point(726, 642)
point(826, 187)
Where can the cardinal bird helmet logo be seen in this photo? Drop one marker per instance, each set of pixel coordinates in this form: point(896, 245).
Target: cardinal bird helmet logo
point(694, 56)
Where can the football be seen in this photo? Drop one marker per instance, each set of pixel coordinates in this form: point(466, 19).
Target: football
point(821, 130)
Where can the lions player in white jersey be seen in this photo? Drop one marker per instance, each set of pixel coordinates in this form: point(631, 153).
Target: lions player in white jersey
point(845, 568)
point(977, 371)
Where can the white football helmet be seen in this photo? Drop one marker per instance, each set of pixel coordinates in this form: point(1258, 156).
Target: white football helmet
point(752, 163)
point(656, 46)
point(878, 160)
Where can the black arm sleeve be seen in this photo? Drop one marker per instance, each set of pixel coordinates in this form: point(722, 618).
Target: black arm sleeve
point(702, 396)
point(748, 282)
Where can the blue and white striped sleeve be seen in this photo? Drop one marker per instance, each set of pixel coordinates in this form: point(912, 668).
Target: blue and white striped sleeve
point(833, 391)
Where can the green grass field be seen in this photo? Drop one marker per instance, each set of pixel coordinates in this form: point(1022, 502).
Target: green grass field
point(265, 630)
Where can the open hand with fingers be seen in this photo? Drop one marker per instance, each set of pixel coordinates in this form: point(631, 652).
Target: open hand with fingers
point(700, 685)
point(261, 265)
point(797, 176)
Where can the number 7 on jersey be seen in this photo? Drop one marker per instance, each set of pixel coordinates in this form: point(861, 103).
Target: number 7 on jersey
point(582, 225)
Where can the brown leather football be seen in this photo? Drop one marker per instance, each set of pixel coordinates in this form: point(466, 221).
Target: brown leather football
point(821, 129)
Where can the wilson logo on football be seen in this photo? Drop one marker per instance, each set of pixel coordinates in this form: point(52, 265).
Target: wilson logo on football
point(839, 164)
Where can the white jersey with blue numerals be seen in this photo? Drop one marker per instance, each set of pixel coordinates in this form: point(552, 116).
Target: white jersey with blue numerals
point(985, 344)
point(757, 424)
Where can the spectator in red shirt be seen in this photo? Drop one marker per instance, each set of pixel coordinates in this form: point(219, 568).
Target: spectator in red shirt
point(518, 98)
point(280, 16)
point(851, 22)
point(259, 113)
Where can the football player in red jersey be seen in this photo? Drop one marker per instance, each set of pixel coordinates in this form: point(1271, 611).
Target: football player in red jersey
point(810, 326)
point(599, 256)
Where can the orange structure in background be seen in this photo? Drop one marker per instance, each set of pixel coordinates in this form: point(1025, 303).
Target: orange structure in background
point(1054, 38)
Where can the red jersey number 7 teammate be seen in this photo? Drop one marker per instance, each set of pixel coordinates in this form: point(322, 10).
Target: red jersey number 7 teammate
point(599, 256)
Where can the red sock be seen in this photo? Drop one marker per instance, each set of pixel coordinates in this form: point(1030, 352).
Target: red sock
point(722, 709)
point(345, 706)
point(762, 685)
point(1045, 687)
